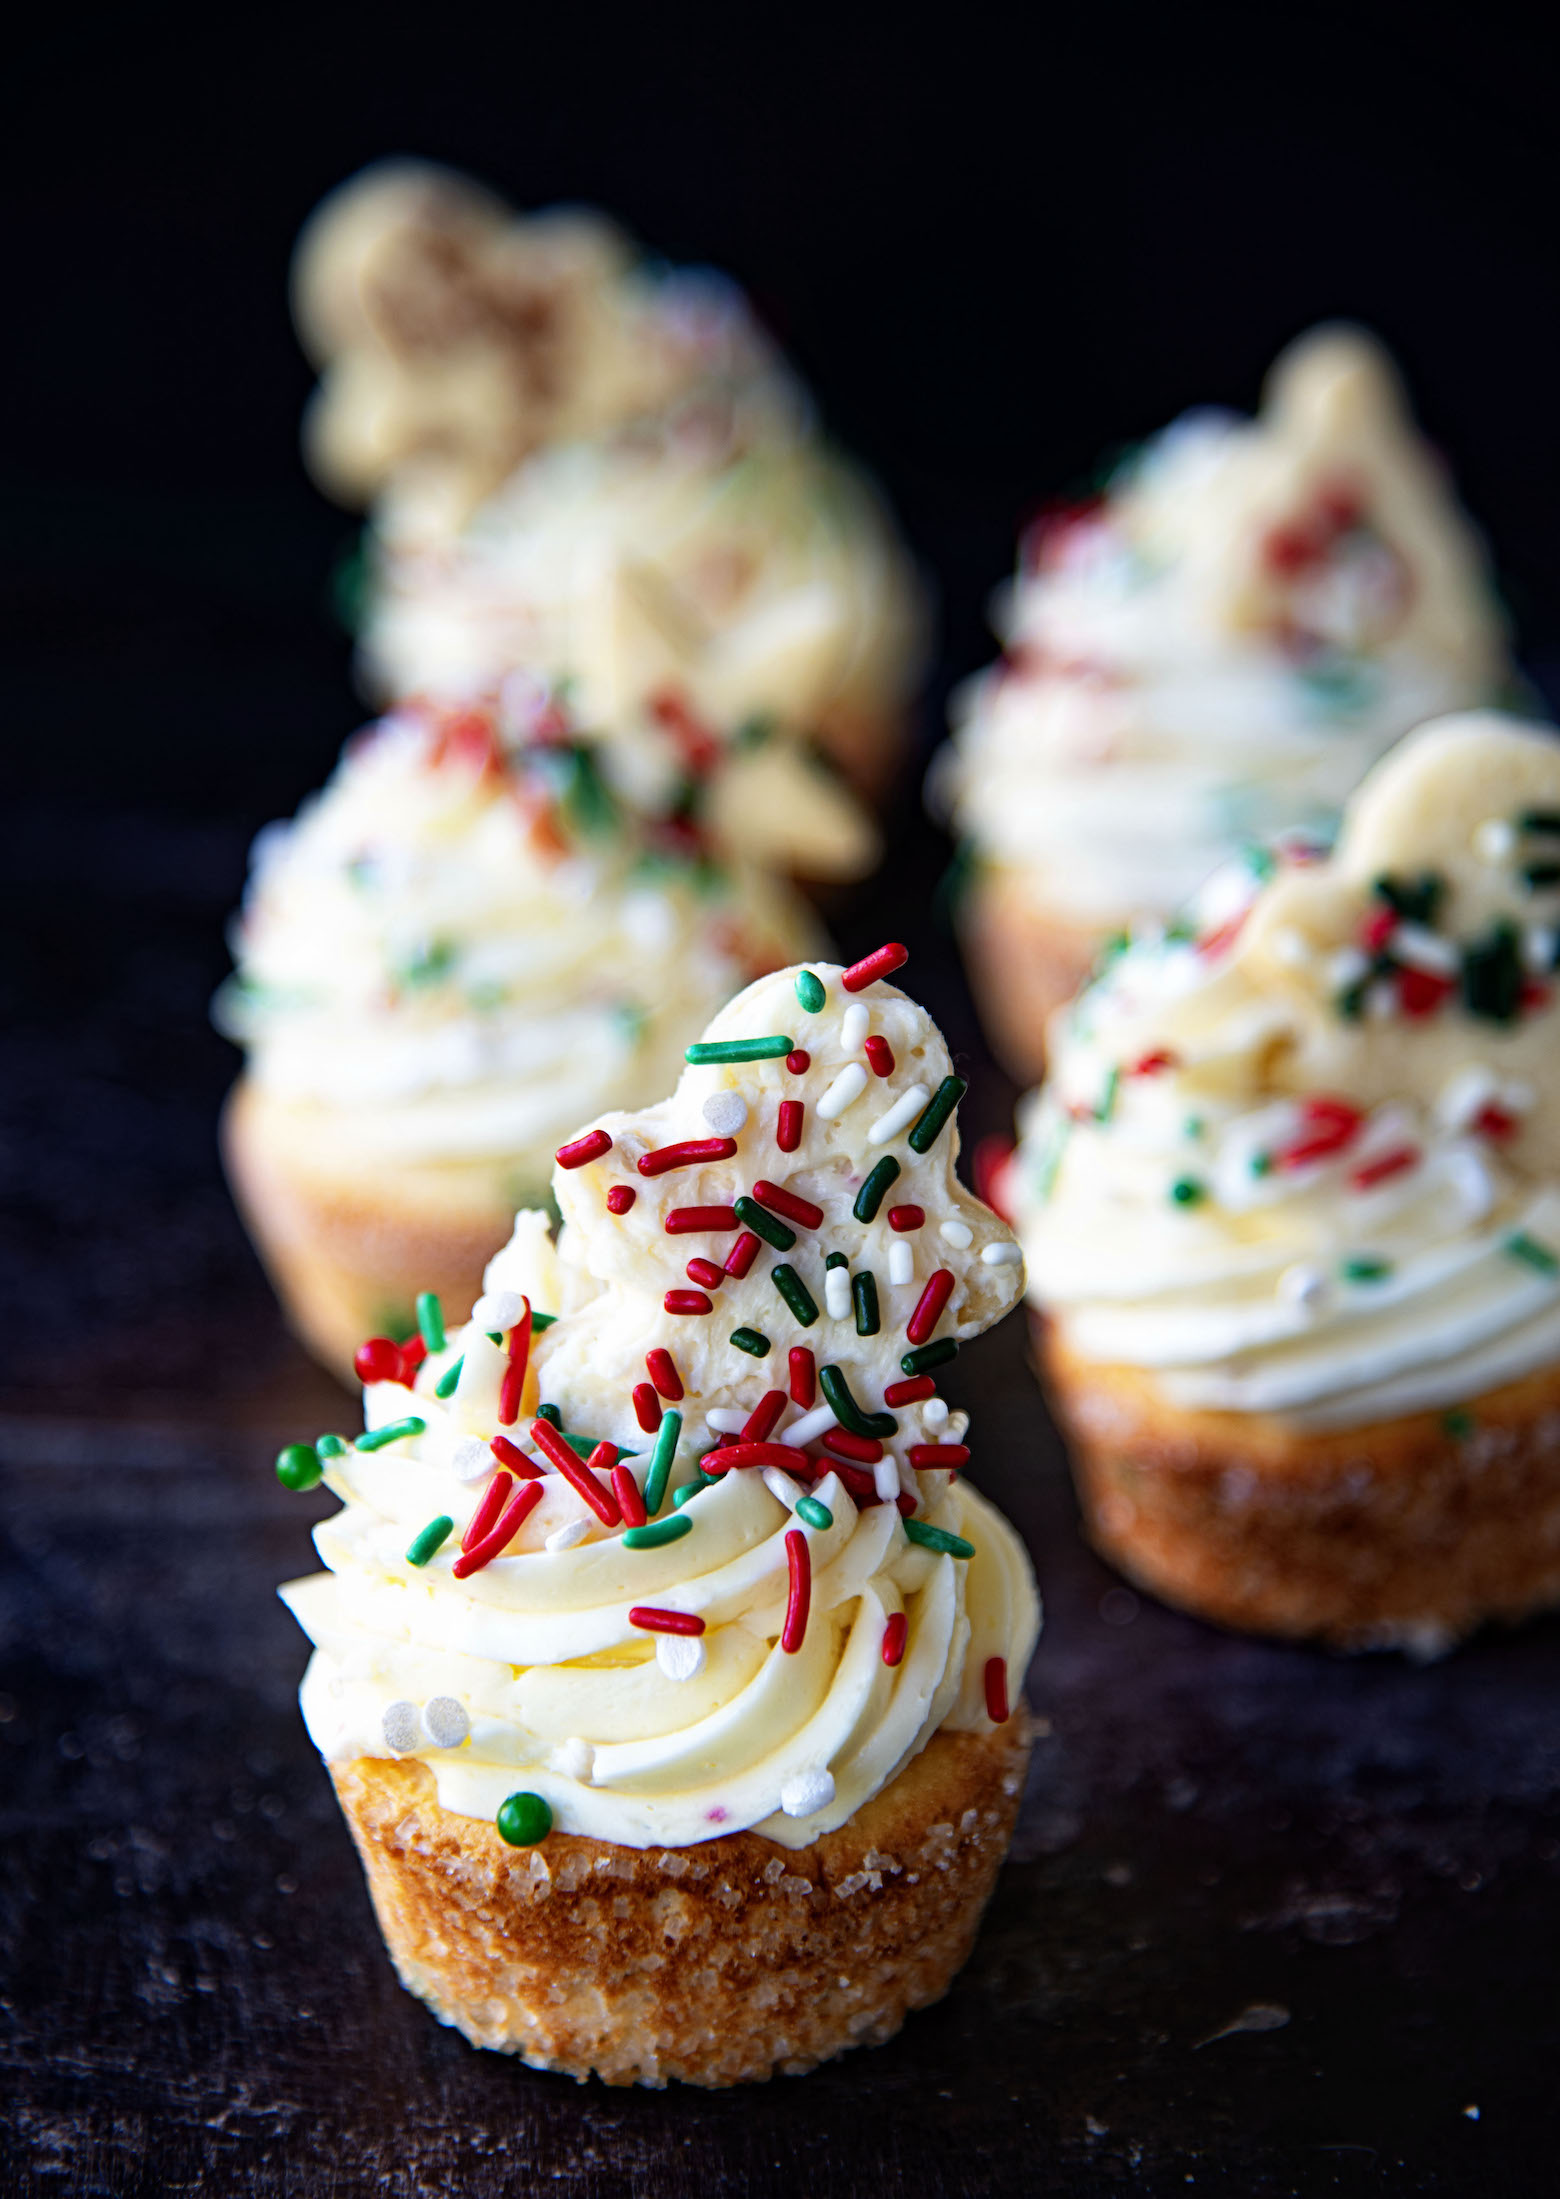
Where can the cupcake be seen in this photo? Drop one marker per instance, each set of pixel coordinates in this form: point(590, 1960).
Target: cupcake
point(655, 450)
point(1217, 647)
point(667, 1665)
point(1291, 1206)
point(481, 931)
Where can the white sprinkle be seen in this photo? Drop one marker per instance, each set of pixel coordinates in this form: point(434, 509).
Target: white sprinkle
point(934, 1413)
point(1380, 1001)
point(569, 1536)
point(956, 1233)
point(574, 1759)
point(1495, 841)
point(1470, 1175)
point(680, 1656)
point(726, 1420)
point(844, 1092)
point(1425, 950)
point(854, 1025)
point(1290, 947)
point(1464, 1094)
point(1002, 1254)
point(900, 1116)
point(1302, 1286)
point(470, 1459)
point(885, 1477)
point(401, 1727)
point(1346, 968)
point(901, 1261)
point(836, 1293)
point(726, 1113)
point(813, 1424)
point(908, 1483)
point(1539, 942)
point(497, 1309)
point(807, 1791)
point(446, 1722)
point(782, 1488)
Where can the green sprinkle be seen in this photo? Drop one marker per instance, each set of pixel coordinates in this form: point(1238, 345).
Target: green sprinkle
point(836, 1391)
point(1416, 900)
point(1523, 1247)
point(1262, 1164)
point(694, 1488)
point(1260, 861)
point(1106, 1106)
point(523, 1820)
point(927, 1356)
point(874, 1189)
point(795, 1293)
point(437, 1532)
point(332, 1446)
point(928, 1126)
point(428, 964)
point(587, 798)
point(1192, 1127)
point(392, 1433)
point(583, 1445)
point(445, 1386)
point(810, 991)
point(1365, 1267)
point(661, 1457)
point(938, 1538)
point(1492, 974)
point(1538, 876)
point(836, 1259)
point(656, 1532)
point(764, 1224)
point(1539, 820)
point(1459, 1425)
point(738, 1049)
point(1187, 1191)
point(816, 1514)
point(754, 732)
point(755, 1344)
point(548, 1412)
point(430, 1320)
point(863, 1291)
point(298, 1466)
point(540, 1321)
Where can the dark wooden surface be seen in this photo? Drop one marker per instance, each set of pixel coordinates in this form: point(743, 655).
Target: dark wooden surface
point(1275, 1922)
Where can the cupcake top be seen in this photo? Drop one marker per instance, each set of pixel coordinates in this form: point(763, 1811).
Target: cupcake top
point(1296, 1155)
point(484, 925)
point(1221, 644)
point(812, 1589)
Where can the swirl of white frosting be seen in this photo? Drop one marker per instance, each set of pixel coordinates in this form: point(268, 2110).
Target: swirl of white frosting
point(1221, 646)
point(1300, 1157)
point(557, 1690)
point(459, 948)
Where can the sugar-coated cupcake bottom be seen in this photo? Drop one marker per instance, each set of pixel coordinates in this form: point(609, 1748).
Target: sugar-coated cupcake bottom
point(348, 1252)
point(718, 1964)
point(1406, 1534)
point(1023, 961)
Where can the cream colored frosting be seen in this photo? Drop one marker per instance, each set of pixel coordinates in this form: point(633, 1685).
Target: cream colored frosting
point(454, 952)
point(1223, 644)
point(628, 1739)
point(1302, 1156)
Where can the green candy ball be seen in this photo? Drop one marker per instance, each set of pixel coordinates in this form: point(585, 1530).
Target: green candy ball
point(523, 1820)
point(298, 1466)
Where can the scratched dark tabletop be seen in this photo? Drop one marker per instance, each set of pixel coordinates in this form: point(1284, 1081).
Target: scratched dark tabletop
point(1275, 1922)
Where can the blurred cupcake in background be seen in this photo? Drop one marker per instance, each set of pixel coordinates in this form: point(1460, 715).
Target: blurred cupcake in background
point(1214, 650)
point(545, 426)
point(488, 927)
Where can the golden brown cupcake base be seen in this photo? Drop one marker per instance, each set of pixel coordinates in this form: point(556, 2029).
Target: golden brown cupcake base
point(714, 1965)
point(1023, 962)
point(348, 1254)
point(1410, 1533)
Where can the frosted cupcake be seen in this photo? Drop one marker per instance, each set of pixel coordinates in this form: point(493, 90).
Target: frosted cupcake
point(1216, 649)
point(482, 930)
point(1291, 1203)
point(667, 1665)
point(544, 427)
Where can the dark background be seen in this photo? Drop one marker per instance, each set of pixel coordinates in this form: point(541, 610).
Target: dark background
point(1275, 1923)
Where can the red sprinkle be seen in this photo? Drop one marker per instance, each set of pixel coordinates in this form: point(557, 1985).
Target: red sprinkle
point(1152, 1065)
point(798, 1560)
point(630, 1503)
point(655, 1620)
point(881, 963)
point(1496, 1122)
point(1533, 996)
point(780, 1201)
point(508, 1455)
point(663, 1373)
point(798, 1061)
point(521, 1505)
point(996, 1690)
point(946, 1457)
point(1388, 1164)
point(865, 1450)
point(737, 1451)
point(705, 1272)
point(580, 1476)
point(760, 1424)
point(687, 1301)
point(620, 1198)
point(929, 1307)
point(378, 1360)
point(647, 1407)
point(687, 1155)
point(880, 1056)
point(788, 1129)
point(905, 1504)
point(804, 1377)
point(1421, 992)
point(857, 1481)
point(589, 1148)
point(412, 1354)
point(1223, 936)
point(894, 1634)
point(1334, 1122)
point(683, 1221)
point(911, 1391)
point(904, 1218)
point(1378, 928)
point(485, 1517)
point(742, 1254)
point(513, 1384)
